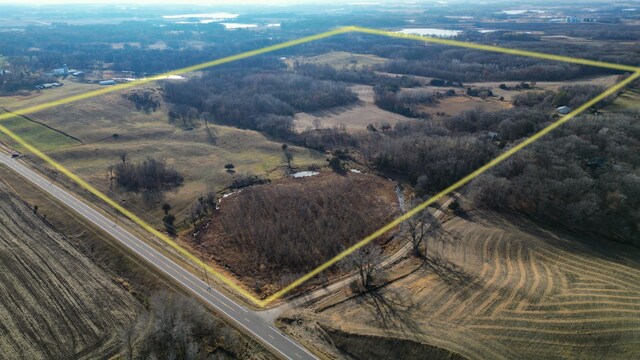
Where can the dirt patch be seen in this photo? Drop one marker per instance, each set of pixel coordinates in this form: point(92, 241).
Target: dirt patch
point(270, 235)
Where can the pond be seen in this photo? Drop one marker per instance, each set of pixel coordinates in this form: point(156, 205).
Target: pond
point(431, 32)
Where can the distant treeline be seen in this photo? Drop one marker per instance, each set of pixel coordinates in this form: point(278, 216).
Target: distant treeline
point(464, 65)
point(128, 46)
point(19, 79)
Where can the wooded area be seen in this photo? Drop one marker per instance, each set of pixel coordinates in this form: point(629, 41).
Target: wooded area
point(284, 229)
point(260, 101)
point(580, 176)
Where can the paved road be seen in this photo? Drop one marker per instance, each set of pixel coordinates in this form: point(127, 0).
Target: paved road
point(251, 322)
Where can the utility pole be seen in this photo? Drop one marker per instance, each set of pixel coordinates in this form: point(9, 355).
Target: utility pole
point(115, 223)
point(204, 269)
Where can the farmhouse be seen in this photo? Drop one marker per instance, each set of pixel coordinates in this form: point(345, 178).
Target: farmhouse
point(107, 82)
point(63, 71)
point(563, 110)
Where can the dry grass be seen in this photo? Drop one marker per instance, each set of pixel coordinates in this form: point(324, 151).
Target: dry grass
point(357, 117)
point(192, 153)
point(339, 60)
point(55, 302)
point(506, 288)
point(35, 133)
point(606, 81)
point(628, 101)
point(459, 104)
point(32, 98)
point(353, 118)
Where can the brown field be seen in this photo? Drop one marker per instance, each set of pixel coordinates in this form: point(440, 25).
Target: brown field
point(499, 288)
point(55, 302)
point(353, 118)
point(270, 235)
point(458, 104)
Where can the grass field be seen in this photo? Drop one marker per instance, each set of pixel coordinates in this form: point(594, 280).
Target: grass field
point(353, 118)
point(55, 302)
point(458, 104)
point(505, 288)
point(38, 97)
point(628, 101)
point(199, 157)
point(339, 59)
point(41, 136)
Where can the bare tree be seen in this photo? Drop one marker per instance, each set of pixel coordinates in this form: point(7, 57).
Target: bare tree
point(288, 155)
point(317, 123)
point(420, 227)
point(127, 337)
point(366, 261)
point(123, 158)
point(166, 208)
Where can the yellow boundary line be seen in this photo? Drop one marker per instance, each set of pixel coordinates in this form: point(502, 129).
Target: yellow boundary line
point(378, 233)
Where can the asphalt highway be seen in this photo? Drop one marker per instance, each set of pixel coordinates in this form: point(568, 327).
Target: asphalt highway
point(247, 320)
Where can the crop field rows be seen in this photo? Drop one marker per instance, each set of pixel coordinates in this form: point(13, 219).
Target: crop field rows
point(53, 293)
point(515, 290)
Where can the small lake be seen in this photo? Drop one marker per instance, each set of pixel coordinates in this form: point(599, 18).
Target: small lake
point(520, 12)
point(216, 16)
point(231, 26)
point(431, 32)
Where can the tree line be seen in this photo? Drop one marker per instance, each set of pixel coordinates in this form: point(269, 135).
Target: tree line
point(149, 174)
point(176, 327)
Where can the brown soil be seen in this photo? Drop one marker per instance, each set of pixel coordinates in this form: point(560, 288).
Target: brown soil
point(55, 303)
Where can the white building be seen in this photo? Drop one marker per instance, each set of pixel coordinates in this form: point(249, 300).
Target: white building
point(63, 71)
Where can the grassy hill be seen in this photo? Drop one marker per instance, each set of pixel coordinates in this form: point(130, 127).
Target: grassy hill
point(199, 155)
